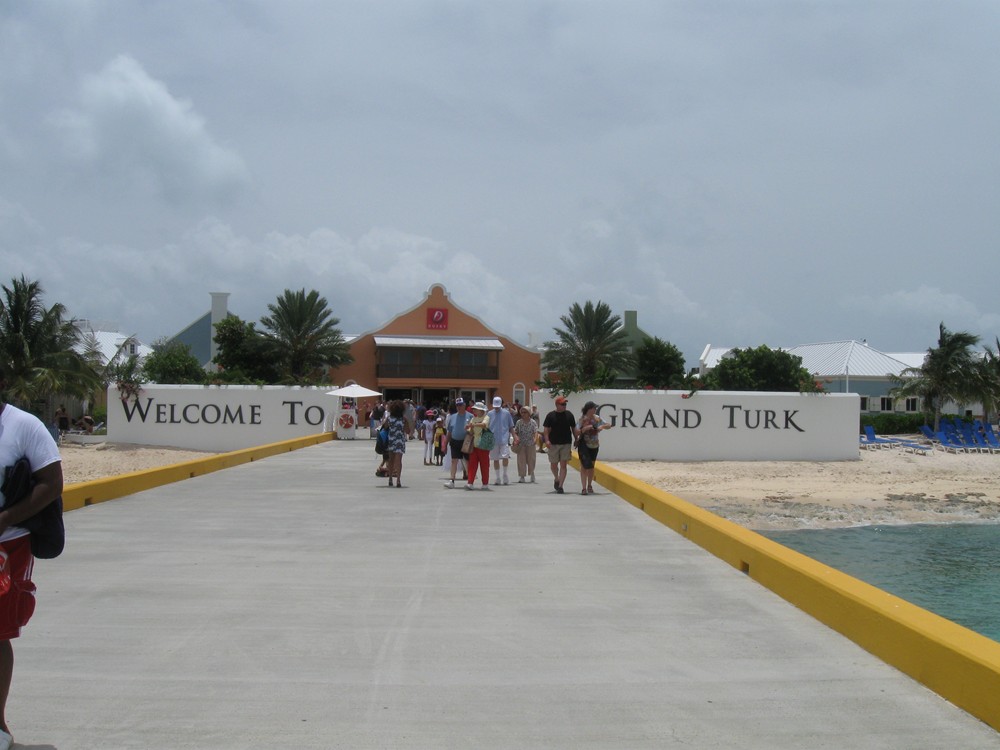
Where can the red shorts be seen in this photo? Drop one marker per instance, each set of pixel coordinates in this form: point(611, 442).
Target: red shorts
point(18, 604)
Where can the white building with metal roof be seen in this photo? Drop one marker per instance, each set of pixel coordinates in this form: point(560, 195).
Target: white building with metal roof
point(846, 367)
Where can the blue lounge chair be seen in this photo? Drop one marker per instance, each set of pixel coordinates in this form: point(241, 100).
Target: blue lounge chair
point(948, 443)
point(928, 433)
point(873, 438)
point(981, 442)
point(924, 450)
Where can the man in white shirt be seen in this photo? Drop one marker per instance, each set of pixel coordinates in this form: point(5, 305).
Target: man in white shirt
point(502, 427)
point(22, 435)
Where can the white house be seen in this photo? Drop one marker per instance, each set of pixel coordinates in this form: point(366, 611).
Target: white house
point(849, 367)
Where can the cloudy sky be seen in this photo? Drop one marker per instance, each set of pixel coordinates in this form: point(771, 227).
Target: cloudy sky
point(741, 173)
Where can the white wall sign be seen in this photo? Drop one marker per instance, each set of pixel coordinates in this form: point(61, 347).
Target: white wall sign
point(219, 418)
point(721, 425)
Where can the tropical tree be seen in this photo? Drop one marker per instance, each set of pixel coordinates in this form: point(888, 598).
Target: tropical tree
point(243, 355)
point(122, 369)
point(988, 380)
point(588, 350)
point(37, 354)
point(173, 363)
point(949, 373)
point(659, 364)
point(305, 338)
point(761, 369)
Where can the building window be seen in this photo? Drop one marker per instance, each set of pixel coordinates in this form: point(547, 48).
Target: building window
point(473, 358)
point(519, 393)
point(911, 404)
point(397, 356)
point(886, 404)
point(864, 403)
point(435, 357)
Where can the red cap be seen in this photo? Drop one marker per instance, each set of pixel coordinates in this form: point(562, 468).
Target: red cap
point(561, 400)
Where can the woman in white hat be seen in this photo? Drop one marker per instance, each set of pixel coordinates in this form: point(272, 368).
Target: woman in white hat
point(479, 457)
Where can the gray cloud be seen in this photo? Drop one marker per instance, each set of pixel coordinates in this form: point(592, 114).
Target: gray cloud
point(129, 132)
point(740, 174)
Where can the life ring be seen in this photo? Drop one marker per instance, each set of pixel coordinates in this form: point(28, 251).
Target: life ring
point(346, 421)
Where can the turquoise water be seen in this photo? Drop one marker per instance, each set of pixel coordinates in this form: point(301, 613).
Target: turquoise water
point(952, 570)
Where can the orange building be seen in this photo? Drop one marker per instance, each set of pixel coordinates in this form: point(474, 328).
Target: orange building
point(435, 352)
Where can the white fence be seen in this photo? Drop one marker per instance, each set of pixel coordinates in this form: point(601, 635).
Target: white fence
point(721, 425)
point(660, 425)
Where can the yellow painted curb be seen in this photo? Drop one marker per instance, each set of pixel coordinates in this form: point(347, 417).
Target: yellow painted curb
point(958, 664)
point(97, 491)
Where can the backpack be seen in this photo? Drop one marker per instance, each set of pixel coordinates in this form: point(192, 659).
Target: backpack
point(48, 535)
point(382, 440)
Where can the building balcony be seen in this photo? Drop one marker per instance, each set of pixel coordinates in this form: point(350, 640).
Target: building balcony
point(452, 373)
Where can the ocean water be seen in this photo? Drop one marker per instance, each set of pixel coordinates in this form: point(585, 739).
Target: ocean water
point(951, 570)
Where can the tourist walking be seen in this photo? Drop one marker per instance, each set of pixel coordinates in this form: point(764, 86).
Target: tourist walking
point(455, 427)
point(427, 434)
point(396, 424)
point(559, 429)
point(502, 427)
point(22, 435)
point(591, 426)
point(525, 436)
point(479, 457)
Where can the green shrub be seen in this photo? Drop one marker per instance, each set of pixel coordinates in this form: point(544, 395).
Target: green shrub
point(893, 423)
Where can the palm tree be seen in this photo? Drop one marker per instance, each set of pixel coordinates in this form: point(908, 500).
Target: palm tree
point(949, 373)
point(303, 336)
point(123, 369)
point(988, 380)
point(590, 347)
point(37, 355)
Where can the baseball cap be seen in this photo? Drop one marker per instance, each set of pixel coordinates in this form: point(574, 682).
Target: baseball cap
point(497, 401)
point(561, 400)
point(459, 401)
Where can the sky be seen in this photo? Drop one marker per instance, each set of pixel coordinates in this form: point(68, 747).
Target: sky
point(740, 173)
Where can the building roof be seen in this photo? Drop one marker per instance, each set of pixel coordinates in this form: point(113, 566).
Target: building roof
point(439, 342)
point(834, 359)
point(108, 344)
point(847, 359)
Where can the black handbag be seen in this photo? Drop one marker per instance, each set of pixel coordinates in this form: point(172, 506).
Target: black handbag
point(48, 535)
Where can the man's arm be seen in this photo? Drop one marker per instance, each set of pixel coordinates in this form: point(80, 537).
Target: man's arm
point(48, 486)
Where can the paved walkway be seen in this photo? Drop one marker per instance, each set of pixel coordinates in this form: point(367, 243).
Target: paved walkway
point(296, 602)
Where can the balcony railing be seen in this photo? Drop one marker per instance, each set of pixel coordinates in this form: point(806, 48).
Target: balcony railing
point(453, 373)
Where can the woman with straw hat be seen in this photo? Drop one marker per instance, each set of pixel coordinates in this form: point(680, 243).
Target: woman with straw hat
point(479, 457)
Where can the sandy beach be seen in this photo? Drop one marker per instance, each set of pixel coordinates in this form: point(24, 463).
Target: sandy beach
point(883, 487)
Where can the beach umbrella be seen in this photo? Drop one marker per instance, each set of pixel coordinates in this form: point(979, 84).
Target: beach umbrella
point(353, 391)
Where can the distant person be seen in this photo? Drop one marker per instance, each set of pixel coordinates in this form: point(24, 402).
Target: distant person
point(427, 435)
point(502, 427)
point(525, 437)
point(396, 423)
point(479, 458)
point(22, 435)
point(440, 441)
point(85, 424)
point(455, 427)
point(559, 431)
point(62, 419)
point(591, 426)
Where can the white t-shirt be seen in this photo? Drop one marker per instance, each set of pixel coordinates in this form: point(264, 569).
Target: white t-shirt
point(23, 435)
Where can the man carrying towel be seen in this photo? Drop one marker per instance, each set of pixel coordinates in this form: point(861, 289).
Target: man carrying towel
point(22, 435)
